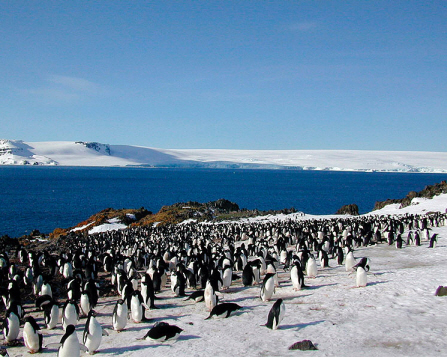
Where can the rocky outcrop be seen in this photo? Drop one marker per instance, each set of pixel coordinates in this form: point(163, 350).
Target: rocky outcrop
point(351, 209)
point(428, 192)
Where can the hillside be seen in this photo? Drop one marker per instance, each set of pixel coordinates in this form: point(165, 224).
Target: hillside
point(79, 153)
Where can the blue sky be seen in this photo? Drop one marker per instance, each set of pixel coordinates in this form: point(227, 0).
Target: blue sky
point(226, 74)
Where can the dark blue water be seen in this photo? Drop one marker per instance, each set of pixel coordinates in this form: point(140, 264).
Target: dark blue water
point(48, 197)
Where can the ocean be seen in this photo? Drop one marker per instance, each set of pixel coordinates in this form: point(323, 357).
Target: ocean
point(45, 198)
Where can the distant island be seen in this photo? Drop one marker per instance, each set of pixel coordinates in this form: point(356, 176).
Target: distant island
point(94, 154)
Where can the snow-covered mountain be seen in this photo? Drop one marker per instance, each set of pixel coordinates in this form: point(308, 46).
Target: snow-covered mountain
point(17, 152)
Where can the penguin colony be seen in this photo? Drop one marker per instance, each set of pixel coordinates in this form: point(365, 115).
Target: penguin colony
point(194, 262)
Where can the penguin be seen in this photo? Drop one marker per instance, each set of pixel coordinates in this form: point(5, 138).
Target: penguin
point(70, 313)
point(297, 277)
point(136, 307)
point(361, 272)
point(69, 344)
point(197, 296)
point(224, 310)
point(268, 287)
point(163, 331)
point(209, 296)
point(227, 276)
point(247, 275)
point(276, 314)
point(350, 261)
point(11, 326)
point(86, 306)
point(119, 316)
point(433, 241)
point(311, 267)
point(51, 314)
point(147, 292)
point(361, 277)
point(93, 333)
point(31, 336)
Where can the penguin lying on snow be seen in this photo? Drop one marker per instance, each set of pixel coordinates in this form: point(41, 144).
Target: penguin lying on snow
point(163, 331)
point(276, 314)
point(197, 296)
point(224, 309)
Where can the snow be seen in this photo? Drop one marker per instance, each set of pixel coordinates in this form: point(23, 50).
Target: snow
point(396, 314)
point(17, 152)
point(110, 225)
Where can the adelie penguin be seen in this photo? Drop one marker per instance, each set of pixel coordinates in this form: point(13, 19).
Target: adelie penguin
point(32, 338)
point(224, 310)
point(162, 332)
point(268, 287)
point(297, 276)
point(11, 326)
point(69, 345)
point(93, 333)
point(276, 314)
point(197, 296)
point(119, 316)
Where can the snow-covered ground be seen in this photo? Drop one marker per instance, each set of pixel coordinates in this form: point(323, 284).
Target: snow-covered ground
point(16, 152)
point(396, 314)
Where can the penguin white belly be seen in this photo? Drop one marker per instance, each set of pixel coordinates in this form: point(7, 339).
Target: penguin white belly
point(227, 277)
point(144, 293)
point(311, 268)
point(31, 338)
point(70, 316)
point(361, 277)
point(256, 275)
point(350, 261)
point(71, 347)
point(294, 278)
point(119, 319)
point(136, 309)
point(268, 290)
point(14, 327)
point(209, 297)
point(54, 317)
point(85, 304)
point(94, 336)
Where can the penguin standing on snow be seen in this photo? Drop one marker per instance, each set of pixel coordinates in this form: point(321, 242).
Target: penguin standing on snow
point(136, 307)
point(70, 313)
point(163, 331)
point(93, 333)
point(276, 314)
point(51, 314)
point(268, 287)
point(433, 241)
point(297, 276)
point(11, 326)
point(350, 260)
point(147, 291)
point(69, 345)
point(247, 275)
point(31, 336)
point(224, 310)
point(361, 272)
point(311, 267)
point(119, 316)
point(210, 296)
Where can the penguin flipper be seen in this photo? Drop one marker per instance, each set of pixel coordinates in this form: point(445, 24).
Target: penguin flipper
point(104, 332)
point(83, 347)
